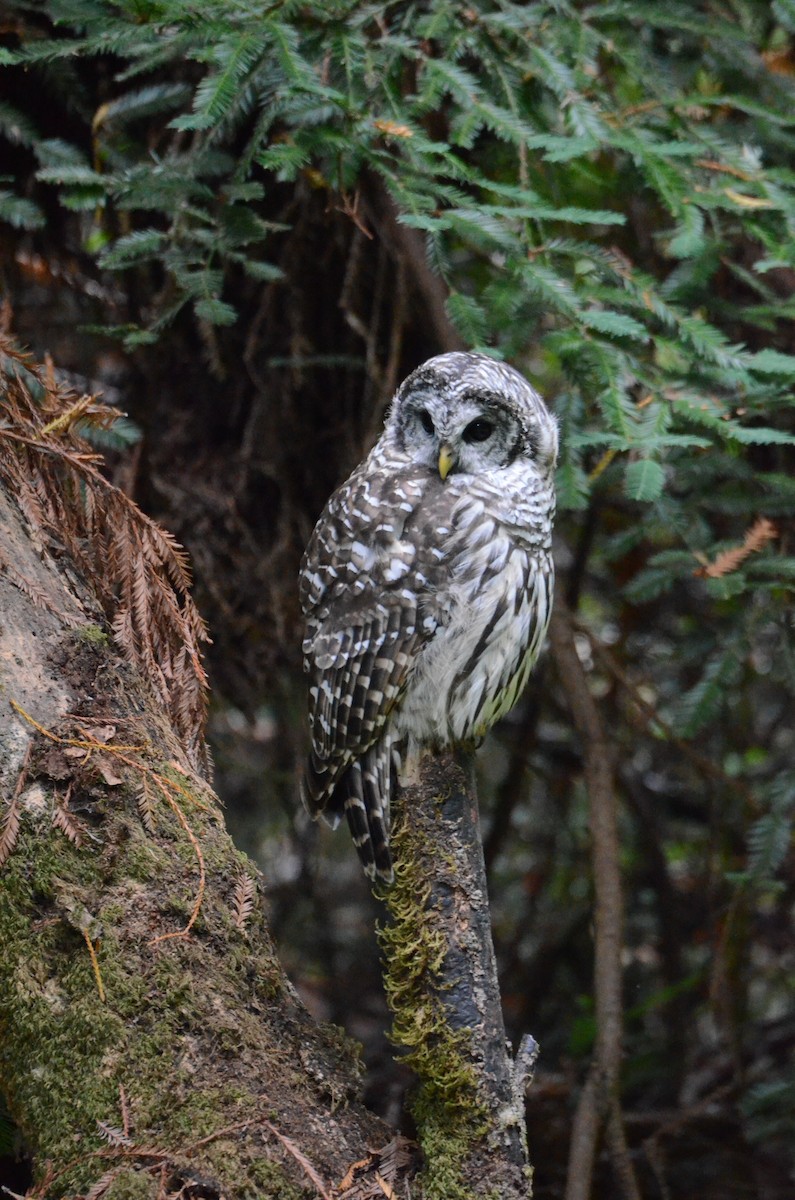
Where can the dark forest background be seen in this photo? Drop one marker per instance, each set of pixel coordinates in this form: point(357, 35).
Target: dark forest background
point(244, 223)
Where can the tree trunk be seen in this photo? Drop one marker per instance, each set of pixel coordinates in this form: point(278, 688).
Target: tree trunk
point(150, 1044)
point(149, 1041)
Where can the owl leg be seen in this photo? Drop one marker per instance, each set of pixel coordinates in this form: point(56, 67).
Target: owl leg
point(366, 786)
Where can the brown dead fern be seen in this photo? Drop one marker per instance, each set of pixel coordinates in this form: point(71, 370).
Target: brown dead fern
point(9, 825)
point(372, 1178)
point(138, 571)
point(113, 1135)
point(759, 534)
point(146, 806)
point(243, 900)
point(98, 1190)
point(64, 820)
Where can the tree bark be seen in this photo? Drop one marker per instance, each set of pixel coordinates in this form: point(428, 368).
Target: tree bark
point(442, 987)
point(150, 1043)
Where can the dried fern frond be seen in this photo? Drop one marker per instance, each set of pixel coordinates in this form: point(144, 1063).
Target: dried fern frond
point(98, 1189)
point(9, 829)
point(125, 1110)
point(146, 806)
point(139, 573)
point(373, 1177)
point(62, 819)
point(112, 1135)
point(9, 826)
point(243, 900)
point(761, 532)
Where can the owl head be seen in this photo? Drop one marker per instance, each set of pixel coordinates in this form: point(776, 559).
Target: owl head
point(468, 413)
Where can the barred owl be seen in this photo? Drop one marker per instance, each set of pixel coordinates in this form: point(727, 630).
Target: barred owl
point(426, 586)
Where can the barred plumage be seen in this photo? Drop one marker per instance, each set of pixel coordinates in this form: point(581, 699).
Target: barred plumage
point(426, 586)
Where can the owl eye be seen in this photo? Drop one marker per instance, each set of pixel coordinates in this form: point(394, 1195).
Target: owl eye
point(478, 430)
point(425, 420)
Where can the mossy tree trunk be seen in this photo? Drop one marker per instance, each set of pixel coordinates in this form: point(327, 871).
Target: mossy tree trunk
point(150, 1044)
point(149, 1041)
point(441, 983)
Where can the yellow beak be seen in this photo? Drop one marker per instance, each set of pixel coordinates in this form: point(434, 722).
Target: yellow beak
point(446, 460)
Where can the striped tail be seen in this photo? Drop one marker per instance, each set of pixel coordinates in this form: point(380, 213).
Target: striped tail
point(362, 792)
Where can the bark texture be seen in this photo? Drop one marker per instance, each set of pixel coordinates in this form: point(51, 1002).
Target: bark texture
point(441, 981)
point(149, 1042)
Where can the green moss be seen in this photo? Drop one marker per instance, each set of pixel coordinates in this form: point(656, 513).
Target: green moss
point(61, 1028)
point(55, 1024)
point(144, 860)
point(132, 1185)
point(92, 635)
point(64, 1053)
point(271, 1181)
point(195, 1116)
point(111, 914)
point(52, 1024)
point(47, 862)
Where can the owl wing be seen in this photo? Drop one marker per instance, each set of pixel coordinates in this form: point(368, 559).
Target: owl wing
point(361, 585)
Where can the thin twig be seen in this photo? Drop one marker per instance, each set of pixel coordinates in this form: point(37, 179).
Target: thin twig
point(94, 964)
point(300, 1158)
point(87, 743)
point(410, 246)
point(599, 1101)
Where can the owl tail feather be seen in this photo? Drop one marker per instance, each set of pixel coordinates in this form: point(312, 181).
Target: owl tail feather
point(362, 793)
point(318, 790)
point(367, 809)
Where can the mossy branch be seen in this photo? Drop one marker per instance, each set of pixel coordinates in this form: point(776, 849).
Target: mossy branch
point(441, 985)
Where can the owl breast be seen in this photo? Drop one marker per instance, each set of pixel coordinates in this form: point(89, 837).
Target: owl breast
point(490, 616)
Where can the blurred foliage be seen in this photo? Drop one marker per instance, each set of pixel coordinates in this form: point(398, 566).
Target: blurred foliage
point(606, 191)
point(7, 1131)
